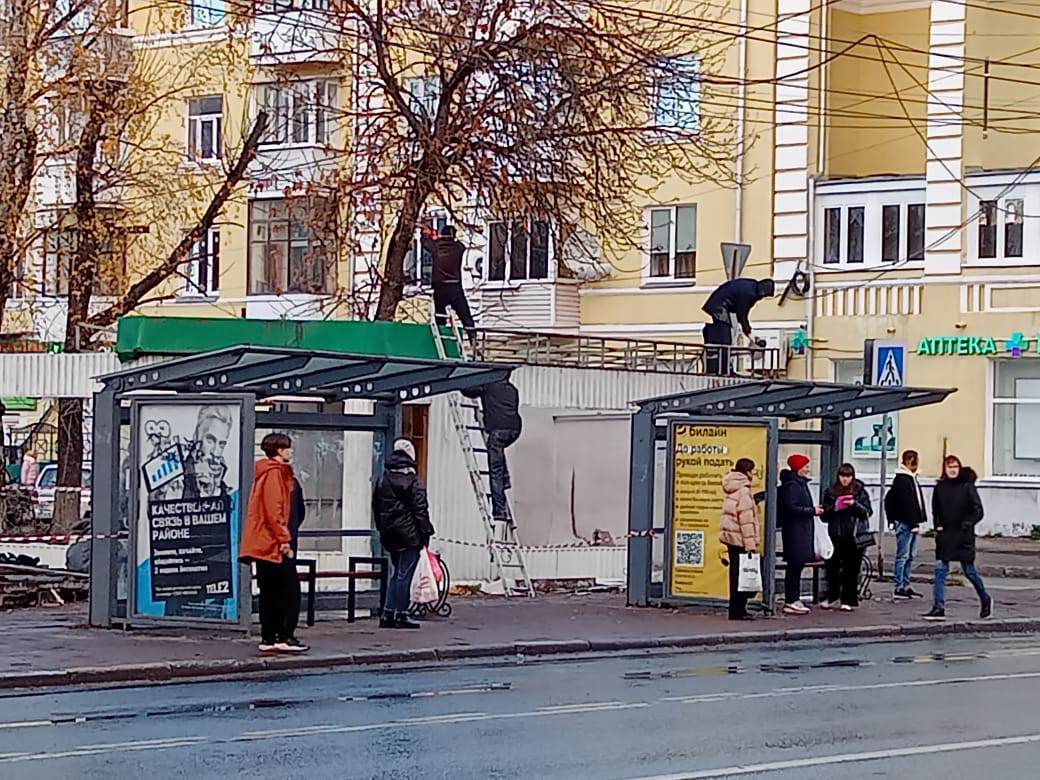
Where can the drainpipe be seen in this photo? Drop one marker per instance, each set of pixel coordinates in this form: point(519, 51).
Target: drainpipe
point(738, 204)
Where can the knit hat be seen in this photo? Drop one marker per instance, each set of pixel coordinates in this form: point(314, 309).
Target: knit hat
point(405, 446)
point(797, 462)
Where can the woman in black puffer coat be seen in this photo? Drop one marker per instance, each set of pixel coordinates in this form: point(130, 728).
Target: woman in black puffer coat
point(847, 511)
point(956, 510)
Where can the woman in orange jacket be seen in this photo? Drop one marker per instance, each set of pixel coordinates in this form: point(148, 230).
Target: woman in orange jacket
point(267, 541)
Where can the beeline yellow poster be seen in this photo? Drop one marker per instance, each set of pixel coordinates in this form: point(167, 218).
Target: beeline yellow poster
point(701, 455)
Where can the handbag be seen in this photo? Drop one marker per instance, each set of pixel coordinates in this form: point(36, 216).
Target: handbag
point(424, 585)
point(823, 547)
point(749, 575)
point(864, 536)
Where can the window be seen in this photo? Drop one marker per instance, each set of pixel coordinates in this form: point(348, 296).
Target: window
point(890, 234)
point(673, 242)
point(1016, 418)
point(832, 235)
point(677, 93)
point(854, 252)
point(204, 127)
point(987, 229)
point(915, 232)
point(282, 6)
point(206, 13)
point(300, 112)
point(423, 273)
point(1013, 227)
point(518, 250)
point(291, 246)
point(425, 92)
point(59, 253)
point(203, 269)
point(16, 288)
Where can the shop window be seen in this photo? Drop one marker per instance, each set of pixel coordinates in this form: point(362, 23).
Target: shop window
point(1016, 418)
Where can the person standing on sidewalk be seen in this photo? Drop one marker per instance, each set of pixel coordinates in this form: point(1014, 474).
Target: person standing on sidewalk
point(795, 512)
point(905, 508)
point(846, 507)
point(267, 542)
point(500, 407)
point(402, 516)
point(738, 530)
point(956, 510)
point(30, 469)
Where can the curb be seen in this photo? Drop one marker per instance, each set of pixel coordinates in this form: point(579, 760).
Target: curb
point(177, 671)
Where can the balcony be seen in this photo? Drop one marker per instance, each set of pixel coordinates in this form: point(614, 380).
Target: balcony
point(56, 183)
point(91, 55)
point(292, 37)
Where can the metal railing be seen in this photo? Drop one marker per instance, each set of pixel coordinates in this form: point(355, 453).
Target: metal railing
point(571, 350)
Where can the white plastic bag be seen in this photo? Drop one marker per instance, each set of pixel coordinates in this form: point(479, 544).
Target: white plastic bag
point(749, 576)
point(822, 544)
point(424, 585)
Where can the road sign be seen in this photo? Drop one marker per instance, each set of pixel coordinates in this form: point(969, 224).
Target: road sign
point(734, 258)
point(885, 363)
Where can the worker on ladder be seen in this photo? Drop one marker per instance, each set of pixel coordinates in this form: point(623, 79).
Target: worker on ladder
point(447, 254)
point(500, 402)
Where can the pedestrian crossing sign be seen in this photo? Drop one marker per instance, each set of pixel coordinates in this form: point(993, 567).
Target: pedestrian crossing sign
point(889, 364)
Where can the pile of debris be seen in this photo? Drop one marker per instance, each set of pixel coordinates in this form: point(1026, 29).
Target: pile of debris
point(24, 583)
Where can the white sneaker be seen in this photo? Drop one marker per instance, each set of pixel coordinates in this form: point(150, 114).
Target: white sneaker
point(828, 604)
point(797, 608)
point(266, 648)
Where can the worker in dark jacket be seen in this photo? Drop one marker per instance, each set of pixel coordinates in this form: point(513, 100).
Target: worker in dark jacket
point(956, 510)
point(795, 512)
point(402, 516)
point(500, 404)
point(905, 509)
point(447, 276)
point(733, 298)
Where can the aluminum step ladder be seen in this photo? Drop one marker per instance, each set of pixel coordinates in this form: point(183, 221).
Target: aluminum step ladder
point(503, 546)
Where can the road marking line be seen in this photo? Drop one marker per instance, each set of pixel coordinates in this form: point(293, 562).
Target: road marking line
point(846, 758)
point(724, 696)
point(25, 724)
point(567, 707)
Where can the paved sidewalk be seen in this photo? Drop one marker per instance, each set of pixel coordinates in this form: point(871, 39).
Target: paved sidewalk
point(997, 556)
point(53, 647)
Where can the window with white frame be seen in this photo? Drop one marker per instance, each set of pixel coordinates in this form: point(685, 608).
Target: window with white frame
point(418, 263)
point(519, 250)
point(423, 92)
point(16, 285)
point(673, 242)
point(205, 119)
point(999, 231)
point(867, 224)
point(202, 272)
point(300, 113)
point(205, 13)
point(292, 246)
point(676, 93)
point(1015, 435)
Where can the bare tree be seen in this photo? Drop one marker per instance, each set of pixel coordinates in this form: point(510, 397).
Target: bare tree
point(561, 110)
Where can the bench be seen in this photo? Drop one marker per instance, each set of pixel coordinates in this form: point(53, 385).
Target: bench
point(815, 567)
point(352, 575)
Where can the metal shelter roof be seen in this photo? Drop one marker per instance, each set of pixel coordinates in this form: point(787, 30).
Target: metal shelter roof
point(795, 400)
point(270, 371)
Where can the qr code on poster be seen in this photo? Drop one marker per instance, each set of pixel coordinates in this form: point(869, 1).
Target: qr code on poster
point(689, 548)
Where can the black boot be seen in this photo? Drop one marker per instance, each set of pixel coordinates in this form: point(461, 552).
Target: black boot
point(404, 621)
point(388, 619)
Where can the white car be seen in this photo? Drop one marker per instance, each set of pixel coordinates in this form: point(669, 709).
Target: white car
point(47, 486)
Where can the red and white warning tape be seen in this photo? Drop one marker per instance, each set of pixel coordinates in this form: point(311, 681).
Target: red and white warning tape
point(57, 538)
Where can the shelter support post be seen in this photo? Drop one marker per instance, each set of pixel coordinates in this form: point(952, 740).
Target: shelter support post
point(389, 412)
point(641, 509)
point(104, 504)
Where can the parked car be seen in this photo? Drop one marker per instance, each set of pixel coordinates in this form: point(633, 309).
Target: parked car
point(47, 486)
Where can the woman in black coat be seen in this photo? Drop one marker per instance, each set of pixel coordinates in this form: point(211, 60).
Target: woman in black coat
point(402, 516)
point(847, 511)
point(795, 512)
point(956, 510)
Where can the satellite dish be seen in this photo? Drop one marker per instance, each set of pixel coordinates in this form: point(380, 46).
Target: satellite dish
point(581, 254)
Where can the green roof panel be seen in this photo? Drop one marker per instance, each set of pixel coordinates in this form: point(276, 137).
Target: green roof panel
point(138, 336)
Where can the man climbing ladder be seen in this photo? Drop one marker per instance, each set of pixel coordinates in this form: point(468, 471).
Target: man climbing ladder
point(500, 402)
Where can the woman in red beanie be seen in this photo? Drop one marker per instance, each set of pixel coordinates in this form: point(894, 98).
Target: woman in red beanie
point(795, 513)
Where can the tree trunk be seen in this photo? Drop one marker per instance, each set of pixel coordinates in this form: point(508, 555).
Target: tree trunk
point(70, 465)
point(392, 289)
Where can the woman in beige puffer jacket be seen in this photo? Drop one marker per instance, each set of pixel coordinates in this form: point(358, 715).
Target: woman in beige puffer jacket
point(738, 529)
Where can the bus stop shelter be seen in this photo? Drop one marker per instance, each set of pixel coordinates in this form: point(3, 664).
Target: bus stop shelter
point(174, 447)
point(705, 432)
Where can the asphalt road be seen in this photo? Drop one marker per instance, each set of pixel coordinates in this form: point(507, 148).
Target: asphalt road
point(950, 708)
